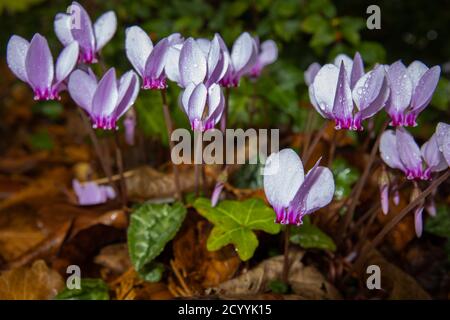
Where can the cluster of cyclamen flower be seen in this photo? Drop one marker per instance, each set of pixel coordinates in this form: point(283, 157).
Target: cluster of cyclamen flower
point(198, 66)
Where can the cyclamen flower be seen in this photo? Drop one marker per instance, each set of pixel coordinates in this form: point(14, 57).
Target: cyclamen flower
point(77, 26)
point(107, 100)
point(90, 193)
point(311, 72)
point(202, 100)
point(130, 125)
point(267, 54)
point(335, 90)
point(291, 193)
point(399, 151)
point(411, 91)
point(148, 60)
point(32, 62)
point(242, 58)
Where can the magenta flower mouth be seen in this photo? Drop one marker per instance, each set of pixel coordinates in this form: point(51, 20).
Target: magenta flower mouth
point(154, 84)
point(415, 174)
point(46, 94)
point(87, 57)
point(105, 123)
point(199, 125)
point(229, 82)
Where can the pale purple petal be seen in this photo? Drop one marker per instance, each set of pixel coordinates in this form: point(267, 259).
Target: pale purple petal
point(418, 223)
point(357, 70)
point(269, 53)
point(83, 33)
point(171, 68)
point(389, 152)
point(197, 102)
point(129, 125)
point(243, 53)
point(104, 29)
point(16, 53)
point(400, 87)
point(157, 60)
point(343, 103)
point(81, 88)
point(311, 73)
point(90, 193)
point(433, 156)
point(415, 71)
point(62, 26)
point(384, 197)
point(138, 46)
point(368, 88)
point(283, 176)
point(192, 63)
point(66, 61)
point(424, 90)
point(216, 193)
point(39, 63)
point(348, 63)
point(105, 97)
point(409, 153)
point(324, 87)
point(204, 45)
point(186, 95)
point(128, 92)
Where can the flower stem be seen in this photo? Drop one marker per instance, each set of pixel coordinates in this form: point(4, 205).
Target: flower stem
point(332, 148)
point(285, 276)
point(169, 127)
point(223, 120)
point(198, 154)
point(359, 187)
point(100, 154)
point(314, 143)
point(119, 159)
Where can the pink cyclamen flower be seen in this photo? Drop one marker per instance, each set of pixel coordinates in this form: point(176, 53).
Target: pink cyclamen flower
point(149, 61)
point(411, 90)
point(90, 193)
point(399, 151)
point(290, 192)
point(32, 62)
point(107, 100)
point(216, 193)
point(244, 54)
point(267, 54)
point(77, 26)
point(202, 99)
point(335, 90)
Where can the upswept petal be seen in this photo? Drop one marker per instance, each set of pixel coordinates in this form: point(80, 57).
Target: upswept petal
point(368, 87)
point(105, 97)
point(376, 105)
point(432, 155)
point(243, 53)
point(415, 71)
point(16, 53)
point(186, 95)
point(138, 46)
point(389, 152)
point(324, 85)
point(343, 103)
point(192, 63)
point(357, 70)
point(424, 90)
point(157, 59)
point(283, 176)
point(204, 45)
point(269, 53)
point(197, 102)
point(81, 88)
point(66, 61)
point(128, 92)
point(400, 88)
point(82, 30)
point(39, 63)
point(171, 68)
point(348, 63)
point(62, 26)
point(104, 29)
point(408, 150)
point(443, 140)
point(311, 73)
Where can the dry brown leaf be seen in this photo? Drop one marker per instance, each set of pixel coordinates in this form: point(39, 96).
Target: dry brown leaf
point(305, 281)
point(399, 284)
point(37, 282)
point(114, 257)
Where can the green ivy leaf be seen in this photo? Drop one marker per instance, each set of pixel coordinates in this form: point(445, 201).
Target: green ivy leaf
point(151, 227)
point(91, 289)
point(310, 237)
point(344, 176)
point(440, 224)
point(234, 222)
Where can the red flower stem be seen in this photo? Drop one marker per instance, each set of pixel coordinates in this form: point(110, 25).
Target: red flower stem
point(285, 276)
point(119, 159)
point(314, 143)
point(169, 127)
point(223, 120)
